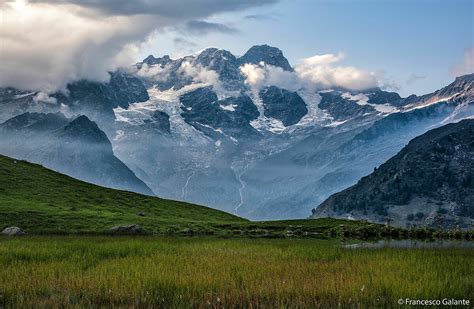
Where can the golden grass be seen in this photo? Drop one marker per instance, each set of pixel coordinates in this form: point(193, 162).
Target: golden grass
point(211, 272)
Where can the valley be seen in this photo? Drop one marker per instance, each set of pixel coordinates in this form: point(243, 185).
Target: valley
point(197, 129)
point(236, 154)
point(40, 201)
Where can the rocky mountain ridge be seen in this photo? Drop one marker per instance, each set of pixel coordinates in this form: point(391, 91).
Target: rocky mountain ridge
point(430, 182)
point(201, 133)
point(76, 147)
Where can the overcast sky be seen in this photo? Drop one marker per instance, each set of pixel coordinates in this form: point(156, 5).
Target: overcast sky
point(415, 46)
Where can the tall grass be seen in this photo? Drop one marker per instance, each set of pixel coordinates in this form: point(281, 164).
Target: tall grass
point(211, 272)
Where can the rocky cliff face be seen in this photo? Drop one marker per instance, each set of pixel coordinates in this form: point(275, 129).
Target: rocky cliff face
point(76, 147)
point(342, 108)
point(267, 54)
point(281, 104)
point(224, 64)
point(430, 182)
point(99, 99)
point(204, 111)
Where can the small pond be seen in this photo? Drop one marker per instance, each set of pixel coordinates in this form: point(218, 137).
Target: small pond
point(410, 243)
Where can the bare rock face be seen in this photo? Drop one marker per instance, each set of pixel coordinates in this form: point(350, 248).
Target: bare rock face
point(203, 110)
point(284, 105)
point(76, 147)
point(132, 229)
point(341, 108)
point(268, 54)
point(13, 231)
point(429, 183)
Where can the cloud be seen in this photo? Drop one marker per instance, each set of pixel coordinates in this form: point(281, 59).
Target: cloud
point(188, 68)
point(182, 9)
point(316, 72)
point(261, 17)
point(183, 43)
point(322, 59)
point(46, 44)
point(386, 81)
point(185, 47)
point(200, 74)
point(331, 77)
point(467, 64)
point(261, 75)
point(322, 73)
point(154, 72)
point(43, 46)
point(413, 78)
point(42, 97)
point(200, 27)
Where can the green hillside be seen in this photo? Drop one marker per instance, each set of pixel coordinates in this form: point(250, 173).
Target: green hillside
point(40, 200)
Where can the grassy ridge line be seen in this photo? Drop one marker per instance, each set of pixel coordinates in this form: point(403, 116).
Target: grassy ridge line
point(41, 200)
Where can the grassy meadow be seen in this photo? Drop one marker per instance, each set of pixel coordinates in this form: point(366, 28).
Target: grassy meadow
point(40, 200)
point(69, 259)
point(75, 271)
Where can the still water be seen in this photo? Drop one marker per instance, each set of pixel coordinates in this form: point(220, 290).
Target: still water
point(408, 243)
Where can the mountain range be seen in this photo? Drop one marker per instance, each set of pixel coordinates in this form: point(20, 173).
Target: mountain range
point(430, 182)
point(195, 129)
point(76, 147)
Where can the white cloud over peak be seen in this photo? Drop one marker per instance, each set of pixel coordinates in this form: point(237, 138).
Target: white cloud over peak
point(199, 74)
point(188, 68)
point(316, 72)
point(262, 75)
point(322, 59)
point(321, 71)
point(42, 97)
point(154, 72)
point(46, 44)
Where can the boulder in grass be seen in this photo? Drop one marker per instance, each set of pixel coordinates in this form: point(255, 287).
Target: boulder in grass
point(13, 231)
point(132, 229)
